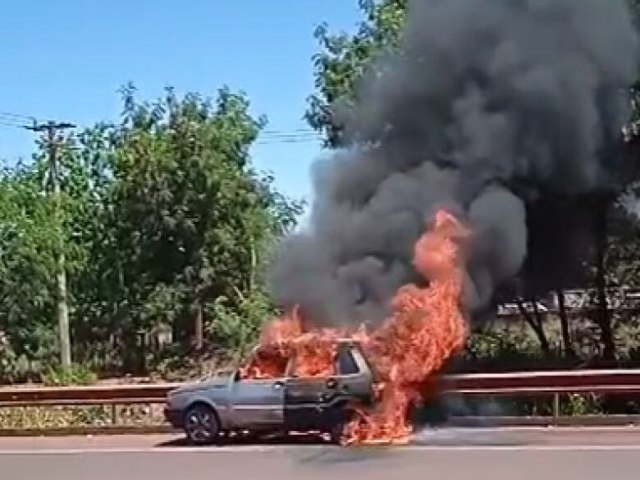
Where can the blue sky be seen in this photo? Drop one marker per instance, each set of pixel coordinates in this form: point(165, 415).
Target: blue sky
point(65, 60)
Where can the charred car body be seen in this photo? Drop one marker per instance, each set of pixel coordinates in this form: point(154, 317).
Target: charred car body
point(281, 403)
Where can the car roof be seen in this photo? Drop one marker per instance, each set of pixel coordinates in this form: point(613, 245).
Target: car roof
point(342, 341)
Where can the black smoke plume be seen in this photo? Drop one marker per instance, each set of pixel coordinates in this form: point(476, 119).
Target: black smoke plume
point(490, 106)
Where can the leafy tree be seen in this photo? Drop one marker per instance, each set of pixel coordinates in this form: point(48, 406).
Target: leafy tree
point(165, 221)
point(344, 59)
point(27, 239)
point(194, 217)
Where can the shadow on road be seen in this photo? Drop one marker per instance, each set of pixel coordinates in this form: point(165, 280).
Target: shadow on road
point(239, 440)
point(438, 437)
point(469, 437)
point(326, 455)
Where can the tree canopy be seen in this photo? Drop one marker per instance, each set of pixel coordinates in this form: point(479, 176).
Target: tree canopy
point(165, 223)
point(344, 59)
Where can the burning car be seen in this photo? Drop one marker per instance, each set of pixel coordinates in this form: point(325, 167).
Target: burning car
point(359, 385)
point(272, 394)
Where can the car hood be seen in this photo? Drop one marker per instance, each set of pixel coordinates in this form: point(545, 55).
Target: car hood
point(217, 381)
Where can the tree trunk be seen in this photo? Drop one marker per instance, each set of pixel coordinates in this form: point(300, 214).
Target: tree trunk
point(564, 325)
point(535, 323)
point(603, 317)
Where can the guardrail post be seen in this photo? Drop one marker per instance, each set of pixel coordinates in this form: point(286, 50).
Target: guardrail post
point(556, 407)
point(114, 414)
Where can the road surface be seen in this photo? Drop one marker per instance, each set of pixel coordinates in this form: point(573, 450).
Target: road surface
point(515, 454)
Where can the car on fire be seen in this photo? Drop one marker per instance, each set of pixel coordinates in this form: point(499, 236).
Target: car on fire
point(282, 403)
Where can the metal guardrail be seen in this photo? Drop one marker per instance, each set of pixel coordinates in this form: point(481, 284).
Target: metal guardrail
point(545, 383)
point(521, 384)
point(503, 384)
point(550, 383)
point(26, 396)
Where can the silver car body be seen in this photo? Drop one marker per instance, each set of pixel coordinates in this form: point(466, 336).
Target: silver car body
point(275, 403)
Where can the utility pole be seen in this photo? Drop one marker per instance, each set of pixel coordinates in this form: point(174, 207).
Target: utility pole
point(51, 138)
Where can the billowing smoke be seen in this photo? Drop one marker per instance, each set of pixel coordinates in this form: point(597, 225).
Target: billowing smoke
point(490, 105)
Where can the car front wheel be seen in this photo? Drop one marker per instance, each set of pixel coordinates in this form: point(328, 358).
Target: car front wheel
point(201, 425)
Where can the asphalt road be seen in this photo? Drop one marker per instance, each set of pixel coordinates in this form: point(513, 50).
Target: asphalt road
point(602, 454)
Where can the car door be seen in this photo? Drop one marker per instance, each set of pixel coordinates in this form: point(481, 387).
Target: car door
point(316, 402)
point(257, 396)
point(306, 400)
point(257, 403)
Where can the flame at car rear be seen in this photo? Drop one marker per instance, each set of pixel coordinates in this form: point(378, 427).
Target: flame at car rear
point(425, 329)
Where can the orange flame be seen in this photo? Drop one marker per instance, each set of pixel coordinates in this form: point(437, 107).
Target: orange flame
point(426, 328)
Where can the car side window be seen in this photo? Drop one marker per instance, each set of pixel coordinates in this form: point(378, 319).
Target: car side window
point(264, 364)
point(346, 364)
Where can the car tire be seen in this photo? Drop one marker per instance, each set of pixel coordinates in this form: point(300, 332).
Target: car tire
point(201, 425)
point(336, 433)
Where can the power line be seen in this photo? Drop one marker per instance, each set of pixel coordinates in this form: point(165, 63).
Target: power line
point(266, 137)
point(285, 137)
point(274, 137)
point(21, 117)
point(8, 122)
point(287, 142)
point(14, 120)
point(289, 135)
point(17, 116)
point(295, 131)
point(295, 136)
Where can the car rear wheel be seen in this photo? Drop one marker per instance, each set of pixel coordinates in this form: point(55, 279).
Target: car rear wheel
point(336, 433)
point(201, 425)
